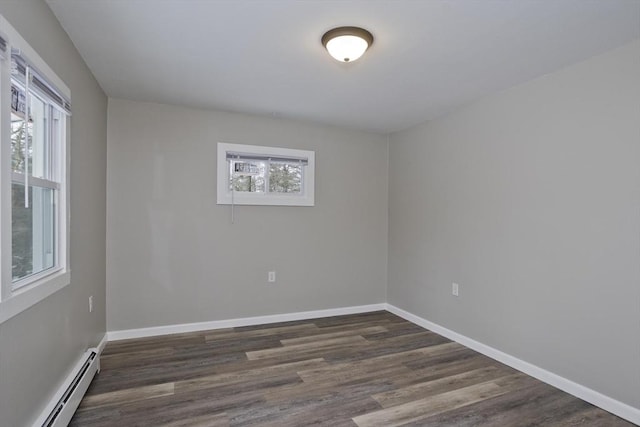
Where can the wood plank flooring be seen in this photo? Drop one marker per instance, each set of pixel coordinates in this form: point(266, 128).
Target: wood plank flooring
point(365, 370)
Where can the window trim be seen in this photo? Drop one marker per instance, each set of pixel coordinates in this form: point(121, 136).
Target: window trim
point(305, 198)
point(43, 284)
point(33, 293)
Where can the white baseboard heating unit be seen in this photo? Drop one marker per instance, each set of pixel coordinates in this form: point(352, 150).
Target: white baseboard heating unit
point(64, 404)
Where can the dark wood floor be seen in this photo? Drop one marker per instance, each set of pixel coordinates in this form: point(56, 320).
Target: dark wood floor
point(372, 369)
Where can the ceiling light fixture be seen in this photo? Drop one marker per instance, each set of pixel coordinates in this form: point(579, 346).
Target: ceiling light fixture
point(346, 44)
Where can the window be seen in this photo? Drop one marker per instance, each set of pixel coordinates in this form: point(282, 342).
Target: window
point(33, 196)
point(257, 175)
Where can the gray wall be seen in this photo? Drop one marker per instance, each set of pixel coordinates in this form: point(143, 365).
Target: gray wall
point(530, 200)
point(39, 346)
point(173, 255)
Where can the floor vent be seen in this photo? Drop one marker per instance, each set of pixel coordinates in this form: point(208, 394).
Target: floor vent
point(64, 408)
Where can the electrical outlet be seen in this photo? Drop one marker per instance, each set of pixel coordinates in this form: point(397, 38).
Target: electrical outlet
point(90, 303)
point(271, 277)
point(454, 289)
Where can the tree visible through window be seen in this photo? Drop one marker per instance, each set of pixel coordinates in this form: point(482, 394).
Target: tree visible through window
point(285, 177)
point(253, 176)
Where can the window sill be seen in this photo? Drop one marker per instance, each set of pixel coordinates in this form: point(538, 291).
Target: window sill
point(33, 294)
point(266, 200)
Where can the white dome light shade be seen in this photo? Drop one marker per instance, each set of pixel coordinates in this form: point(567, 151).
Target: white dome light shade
point(346, 44)
point(347, 48)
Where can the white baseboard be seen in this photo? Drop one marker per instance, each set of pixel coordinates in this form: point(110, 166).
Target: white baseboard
point(101, 344)
point(607, 403)
point(245, 321)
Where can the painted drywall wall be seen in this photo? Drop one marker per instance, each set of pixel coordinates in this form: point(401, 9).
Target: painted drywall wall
point(39, 346)
point(173, 255)
point(530, 201)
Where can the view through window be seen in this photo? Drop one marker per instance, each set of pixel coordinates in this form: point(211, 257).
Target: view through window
point(262, 175)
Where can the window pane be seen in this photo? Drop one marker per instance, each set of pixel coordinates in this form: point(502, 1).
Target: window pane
point(39, 152)
point(285, 177)
point(38, 142)
point(247, 176)
point(33, 230)
point(17, 143)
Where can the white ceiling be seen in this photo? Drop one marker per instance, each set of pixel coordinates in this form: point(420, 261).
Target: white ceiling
point(265, 57)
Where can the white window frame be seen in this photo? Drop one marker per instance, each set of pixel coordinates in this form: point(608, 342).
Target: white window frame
point(15, 297)
point(306, 197)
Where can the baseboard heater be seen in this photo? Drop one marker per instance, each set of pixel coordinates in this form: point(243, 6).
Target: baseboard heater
point(64, 405)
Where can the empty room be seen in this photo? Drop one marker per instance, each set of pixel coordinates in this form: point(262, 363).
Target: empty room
point(326, 212)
